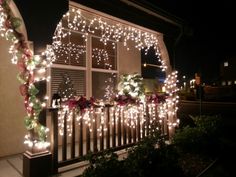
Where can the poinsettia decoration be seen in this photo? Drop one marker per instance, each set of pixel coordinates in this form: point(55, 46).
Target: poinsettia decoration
point(123, 100)
point(80, 103)
point(156, 98)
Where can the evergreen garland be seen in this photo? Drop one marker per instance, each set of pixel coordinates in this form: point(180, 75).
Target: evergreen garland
point(26, 63)
point(132, 85)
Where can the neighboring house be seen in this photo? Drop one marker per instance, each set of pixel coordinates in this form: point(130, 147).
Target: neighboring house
point(228, 72)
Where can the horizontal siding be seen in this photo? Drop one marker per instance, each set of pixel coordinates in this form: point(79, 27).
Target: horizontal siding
point(77, 78)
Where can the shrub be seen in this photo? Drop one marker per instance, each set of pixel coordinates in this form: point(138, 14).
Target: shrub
point(202, 139)
point(105, 164)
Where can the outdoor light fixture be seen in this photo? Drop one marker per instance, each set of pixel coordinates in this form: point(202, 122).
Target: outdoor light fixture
point(56, 101)
point(157, 66)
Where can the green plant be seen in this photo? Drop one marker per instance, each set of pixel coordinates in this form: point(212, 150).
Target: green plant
point(203, 138)
point(105, 164)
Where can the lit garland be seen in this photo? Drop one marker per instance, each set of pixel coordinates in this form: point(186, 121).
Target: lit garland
point(27, 64)
point(170, 107)
point(74, 20)
point(131, 84)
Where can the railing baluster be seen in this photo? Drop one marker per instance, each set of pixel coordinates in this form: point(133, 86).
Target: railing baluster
point(64, 139)
point(87, 139)
point(54, 139)
point(101, 135)
point(119, 128)
point(73, 135)
point(95, 116)
point(81, 137)
point(167, 128)
point(108, 127)
point(129, 131)
point(114, 129)
point(134, 134)
point(147, 120)
point(124, 128)
point(102, 139)
point(138, 127)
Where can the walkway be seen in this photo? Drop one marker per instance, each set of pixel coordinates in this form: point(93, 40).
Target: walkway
point(12, 166)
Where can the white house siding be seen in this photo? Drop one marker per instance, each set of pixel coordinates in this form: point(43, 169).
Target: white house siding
point(12, 111)
point(129, 61)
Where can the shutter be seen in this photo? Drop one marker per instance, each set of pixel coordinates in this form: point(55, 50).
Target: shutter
point(77, 78)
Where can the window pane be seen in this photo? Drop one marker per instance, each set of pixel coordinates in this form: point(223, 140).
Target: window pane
point(103, 56)
point(77, 49)
point(104, 85)
point(72, 51)
point(68, 81)
point(62, 55)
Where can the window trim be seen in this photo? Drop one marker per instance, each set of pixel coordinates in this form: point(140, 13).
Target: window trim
point(87, 68)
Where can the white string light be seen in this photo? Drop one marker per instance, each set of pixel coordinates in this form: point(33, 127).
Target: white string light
point(75, 20)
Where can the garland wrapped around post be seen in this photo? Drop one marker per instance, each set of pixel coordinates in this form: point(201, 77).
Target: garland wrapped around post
point(26, 63)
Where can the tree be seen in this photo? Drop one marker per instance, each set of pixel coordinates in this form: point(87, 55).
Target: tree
point(66, 88)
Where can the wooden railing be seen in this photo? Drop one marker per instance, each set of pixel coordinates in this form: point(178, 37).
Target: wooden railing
point(74, 134)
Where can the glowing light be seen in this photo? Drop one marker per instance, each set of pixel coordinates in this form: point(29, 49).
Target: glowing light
point(76, 21)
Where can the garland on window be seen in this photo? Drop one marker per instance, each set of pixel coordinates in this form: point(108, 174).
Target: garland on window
point(26, 63)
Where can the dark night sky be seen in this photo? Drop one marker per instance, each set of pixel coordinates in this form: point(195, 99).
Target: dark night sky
point(213, 34)
point(210, 40)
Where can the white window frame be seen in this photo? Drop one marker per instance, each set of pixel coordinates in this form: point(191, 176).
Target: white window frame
point(87, 68)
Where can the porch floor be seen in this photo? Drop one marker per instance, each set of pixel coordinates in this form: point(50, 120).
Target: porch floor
point(12, 166)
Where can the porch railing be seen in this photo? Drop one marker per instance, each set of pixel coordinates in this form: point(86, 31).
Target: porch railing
point(74, 134)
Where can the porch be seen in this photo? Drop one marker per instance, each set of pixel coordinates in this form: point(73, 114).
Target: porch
point(12, 166)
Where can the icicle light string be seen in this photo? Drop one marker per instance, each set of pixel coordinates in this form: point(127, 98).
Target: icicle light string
point(74, 20)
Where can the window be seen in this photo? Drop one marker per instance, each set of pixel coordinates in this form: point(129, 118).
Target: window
point(84, 66)
point(72, 51)
point(104, 68)
point(69, 81)
point(103, 85)
point(103, 56)
point(68, 72)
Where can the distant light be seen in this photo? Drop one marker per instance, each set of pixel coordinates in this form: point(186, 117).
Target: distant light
point(229, 82)
point(223, 83)
point(184, 77)
point(226, 64)
point(145, 64)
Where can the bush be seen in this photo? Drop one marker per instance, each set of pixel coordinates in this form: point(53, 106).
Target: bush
point(143, 160)
point(105, 165)
point(201, 139)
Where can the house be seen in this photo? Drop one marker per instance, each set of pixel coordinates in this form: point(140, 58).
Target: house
point(91, 49)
